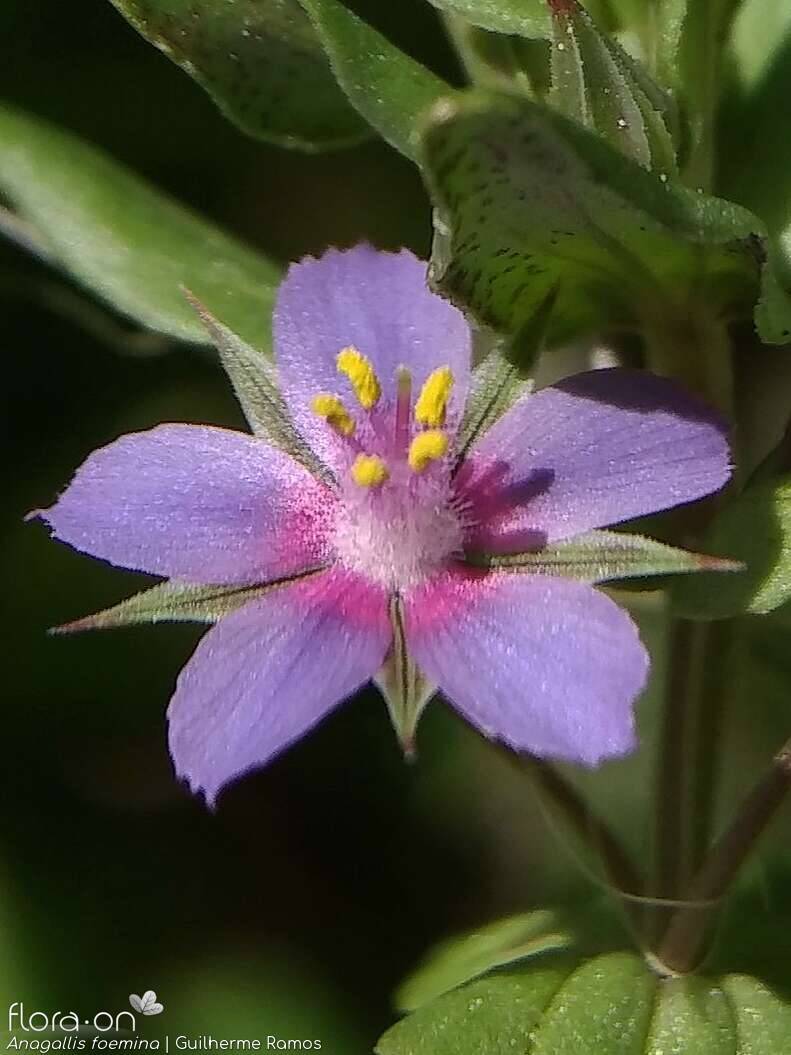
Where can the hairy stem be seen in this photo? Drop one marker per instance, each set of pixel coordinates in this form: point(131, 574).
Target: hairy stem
point(684, 943)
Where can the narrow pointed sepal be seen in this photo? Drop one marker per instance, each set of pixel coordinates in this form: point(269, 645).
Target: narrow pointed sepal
point(253, 380)
point(174, 602)
point(600, 556)
point(503, 376)
point(405, 689)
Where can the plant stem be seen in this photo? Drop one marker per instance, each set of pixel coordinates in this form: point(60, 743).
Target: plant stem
point(672, 844)
point(707, 734)
point(683, 945)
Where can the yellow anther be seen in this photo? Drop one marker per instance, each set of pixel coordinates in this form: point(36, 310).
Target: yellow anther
point(334, 412)
point(361, 375)
point(427, 447)
point(433, 399)
point(369, 471)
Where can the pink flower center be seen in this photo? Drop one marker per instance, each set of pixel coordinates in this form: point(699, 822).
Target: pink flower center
point(397, 519)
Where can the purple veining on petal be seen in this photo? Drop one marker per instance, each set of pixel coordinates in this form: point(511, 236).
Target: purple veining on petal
point(547, 666)
point(595, 449)
point(198, 503)
point(377, 302)
point(265, 675)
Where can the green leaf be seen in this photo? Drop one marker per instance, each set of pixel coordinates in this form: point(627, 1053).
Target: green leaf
point(389, 88)
point(756, 529)
point(694, 69)
point(603, 555)
point(754, 159)
point(175, 602)
point(613, 1004)
point(596, 83)
point(127, 242)
point(469, 955)
point(527, 18)
point(528, 200)
point(260, 60)
point(255, 387)
point(404, 687)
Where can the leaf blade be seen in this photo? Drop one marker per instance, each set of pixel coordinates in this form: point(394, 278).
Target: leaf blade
point(127, 242)
point(260, 61)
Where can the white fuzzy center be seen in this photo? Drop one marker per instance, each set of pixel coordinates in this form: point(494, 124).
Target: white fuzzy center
point(397, 540)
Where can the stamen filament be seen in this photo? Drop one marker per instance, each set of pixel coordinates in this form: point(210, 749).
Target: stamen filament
point(403, 404)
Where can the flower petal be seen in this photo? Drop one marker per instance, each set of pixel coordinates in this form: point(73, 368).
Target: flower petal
point(197, 503)
point(595, 449)
point(379, 303)
point(546, 665)
point(262, 677)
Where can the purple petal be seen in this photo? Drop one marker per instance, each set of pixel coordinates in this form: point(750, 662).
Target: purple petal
point(262, 677)
point(198, 503)
point(546, 665)
point(379, 303)
point(595, 449)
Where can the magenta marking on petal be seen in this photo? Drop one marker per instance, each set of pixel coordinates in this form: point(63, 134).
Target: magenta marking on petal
point(596, 449)
point(265, 675)
point(545, 665)
point(199, 503)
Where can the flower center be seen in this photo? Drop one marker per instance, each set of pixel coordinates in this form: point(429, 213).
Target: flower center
point(397, 521)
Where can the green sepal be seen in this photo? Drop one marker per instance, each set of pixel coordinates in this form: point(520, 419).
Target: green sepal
point(467, 956)
point(598, 84)
point(502, 377)
point(173, 601)
point(127, 242)
point(255, 386)
point(403, 685)
point(528, 200)
point(600, 556)
point(612, 1004)
point(261, 62)
point(754, 528)
point(386, 86)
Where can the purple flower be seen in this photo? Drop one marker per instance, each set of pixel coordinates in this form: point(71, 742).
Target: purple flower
point(382, 556)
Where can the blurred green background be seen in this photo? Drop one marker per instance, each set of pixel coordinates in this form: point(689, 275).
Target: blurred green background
point(298, 906)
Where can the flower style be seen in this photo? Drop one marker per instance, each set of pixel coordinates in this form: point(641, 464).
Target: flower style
point(405, 557)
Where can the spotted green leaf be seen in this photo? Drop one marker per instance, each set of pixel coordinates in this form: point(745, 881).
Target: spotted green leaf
point(388, 87)
point(773, 313)
point(528, 200)
point(260, 60)
point(598, 84)
point(613, 1004)
point(124, 240)
point(754, 529)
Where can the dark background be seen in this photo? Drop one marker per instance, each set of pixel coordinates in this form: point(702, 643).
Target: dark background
point(298, 906)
